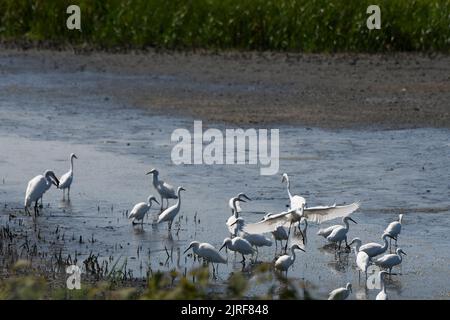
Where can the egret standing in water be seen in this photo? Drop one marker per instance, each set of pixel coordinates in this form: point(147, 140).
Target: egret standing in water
point(394, 228)
point(141, 209)
point(207, 252)
point(231, 222)
point(37, 187)
point(165, 190)
point(389, 261)
point(362, 259)
point(256, 240)
point(170, 213)
point(284, 262)
point(382, 295)
point(374, 249)
point(239, 245)
point(341, 293)
point(66, 179)
point(339, 234)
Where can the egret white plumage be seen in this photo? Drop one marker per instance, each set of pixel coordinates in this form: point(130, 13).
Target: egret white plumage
point(394, 228)
point(339, 234)
point(165, 190)
point(362, 259)
point(37, 187)
point(239, 245)
point(325, 232)
point(389, 261)
point(234, 206)
point(256, 240)
point(234, 215)
point(66, 179)
point(141, 209)
point(382, 295)
point(295, 201)
point(207, 252)
point(341, 293)
point(374, 249)
point(284, 262)
point(170, 213)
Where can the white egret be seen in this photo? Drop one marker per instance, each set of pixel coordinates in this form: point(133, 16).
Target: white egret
point(374, 249)
point(284, 262)
point(141, 209)
point(325, 232)
point(165, 190)
point(235, 207)
point(238, 244)
point(170, 213)
point(362, 259)
point(234, 215)
point(389, 261)
point(382, 295)
point(207, 252)
point(394, 228)
point(339, 234)
point(37, 187)
point(256, 240)
point(67, 178)
point(295, 201)
point(341, 293)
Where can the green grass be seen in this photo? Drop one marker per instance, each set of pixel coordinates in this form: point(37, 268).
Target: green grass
point(287, 25)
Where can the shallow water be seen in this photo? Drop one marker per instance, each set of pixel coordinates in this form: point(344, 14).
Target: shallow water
point(46, 116)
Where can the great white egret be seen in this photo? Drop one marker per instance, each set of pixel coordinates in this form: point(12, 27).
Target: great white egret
point(207, 252)
point(382, 295)
point(394, 228)
point(389, 261)
point(239, 245)
point(170, 213)
point(140, 210)
point(295, 201)
point(67, 178)
point(374, 249)
point(339, 234)
point(37, 187)
point(234, 206)
point(341, 293)
point(234, 215)
point(284, 262)
point(165, 190)
point(362, 259)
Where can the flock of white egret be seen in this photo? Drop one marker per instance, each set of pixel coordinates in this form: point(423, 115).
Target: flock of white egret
point(246, 238)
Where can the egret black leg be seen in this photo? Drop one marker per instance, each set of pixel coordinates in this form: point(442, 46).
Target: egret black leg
point(36, 208)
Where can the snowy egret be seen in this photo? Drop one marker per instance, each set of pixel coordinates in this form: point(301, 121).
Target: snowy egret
point(207, 252)
point(256, 240)
point(389, 261)
point(374, 249)
point(37, 187)
point(165, 190)
point(285, 261)
point(382, 295)
point(234, 215)
point(170, 213)
point(140, 210)
point(235, 208)
point(66, 179)
point(394, 228)
point(362, 259)
point(339, 234)
point(341, 293)
point(238, 244)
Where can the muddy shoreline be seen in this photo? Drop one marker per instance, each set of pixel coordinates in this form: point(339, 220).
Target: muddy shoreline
point(392, 91)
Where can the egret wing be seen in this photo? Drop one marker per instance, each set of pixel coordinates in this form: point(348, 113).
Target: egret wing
point(321, 214)
point(269, 224)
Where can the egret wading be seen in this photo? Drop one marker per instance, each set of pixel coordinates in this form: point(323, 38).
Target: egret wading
point(256, 240)
point(374, 249)
point(165, 190)
point(231, 222)
point(394, 229)
point(382, 295)
point(389, 261)
point(362, 259)
point(239, 245)
point(37, 187)
point(67, 178)
point(341, 293)
point(207, 252)
point(339, 234)
point(170, 213)
point(141, 209)
point(279, 234)
point(284, 262)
